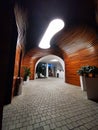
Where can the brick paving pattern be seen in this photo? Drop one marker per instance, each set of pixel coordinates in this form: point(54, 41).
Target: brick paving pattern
point(50, 104)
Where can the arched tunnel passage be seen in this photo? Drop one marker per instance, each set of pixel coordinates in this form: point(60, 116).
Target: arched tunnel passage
point(50, 66)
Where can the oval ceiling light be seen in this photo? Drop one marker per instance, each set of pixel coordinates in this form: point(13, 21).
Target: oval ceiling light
point(54, 60)
point(55, 26)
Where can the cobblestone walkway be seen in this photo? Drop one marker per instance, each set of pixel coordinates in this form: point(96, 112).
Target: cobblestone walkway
point(50, 104)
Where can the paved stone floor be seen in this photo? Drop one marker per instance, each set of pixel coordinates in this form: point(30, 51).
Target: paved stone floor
point(50, 104)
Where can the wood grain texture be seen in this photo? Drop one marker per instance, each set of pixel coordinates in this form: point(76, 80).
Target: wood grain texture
point(34, 54)
point(73, 62)
point(78, 47)
point(77, 38)
point(38, 53)
point(17, 59)
point(30, 63)
point(16, 67)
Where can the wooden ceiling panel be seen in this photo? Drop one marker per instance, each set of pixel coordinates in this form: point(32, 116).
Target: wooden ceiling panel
point(76, 39)
point(70, 41)
point(38, 53)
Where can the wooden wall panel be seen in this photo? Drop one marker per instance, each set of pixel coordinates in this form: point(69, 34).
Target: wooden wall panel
point(29, 62)
point(16, 67)
point(73, 62)
point(34, 54)
point(77, 46)
point(17, 59)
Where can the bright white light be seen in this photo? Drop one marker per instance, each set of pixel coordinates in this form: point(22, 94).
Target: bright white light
point(55, 26)
point(54, 60)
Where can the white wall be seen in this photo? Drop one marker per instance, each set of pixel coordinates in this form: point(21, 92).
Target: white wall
point(61, 74)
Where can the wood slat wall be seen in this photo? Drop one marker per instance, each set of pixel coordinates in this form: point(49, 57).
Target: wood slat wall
point(79, 47)
point(34, 54)
point(74, 61)
point(29, 62)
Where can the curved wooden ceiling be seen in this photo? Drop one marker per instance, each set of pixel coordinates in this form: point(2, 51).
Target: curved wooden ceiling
point(33, 17)
point(77, 39)
point(38, 53)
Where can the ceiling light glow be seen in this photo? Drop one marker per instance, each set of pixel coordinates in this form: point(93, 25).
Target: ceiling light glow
point(54, 60)
point(55, 26)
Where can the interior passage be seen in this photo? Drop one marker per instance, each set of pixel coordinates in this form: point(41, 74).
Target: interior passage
point(50, 104)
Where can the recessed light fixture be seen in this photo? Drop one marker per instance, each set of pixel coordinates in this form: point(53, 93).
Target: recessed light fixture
point(55, 26)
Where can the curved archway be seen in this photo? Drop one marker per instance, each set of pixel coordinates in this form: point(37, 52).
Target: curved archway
point(54, 61)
